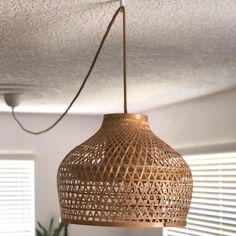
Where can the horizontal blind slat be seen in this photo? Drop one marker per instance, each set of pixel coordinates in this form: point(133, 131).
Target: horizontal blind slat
point(213, 173)
point(208, 218)
point(216, 225)
point(212, 213)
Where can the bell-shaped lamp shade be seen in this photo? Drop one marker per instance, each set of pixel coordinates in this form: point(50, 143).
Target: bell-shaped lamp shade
point(124, 175)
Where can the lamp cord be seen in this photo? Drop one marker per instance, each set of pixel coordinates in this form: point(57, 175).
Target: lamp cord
point(120, 9)
point(124, 60)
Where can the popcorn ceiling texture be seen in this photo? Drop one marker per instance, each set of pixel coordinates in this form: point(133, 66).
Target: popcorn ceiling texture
point(177, 50)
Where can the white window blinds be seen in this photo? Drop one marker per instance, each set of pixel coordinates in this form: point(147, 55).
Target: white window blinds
point(213, 207)
point(16, 198)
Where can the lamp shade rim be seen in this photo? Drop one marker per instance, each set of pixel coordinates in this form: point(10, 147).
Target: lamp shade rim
point(126, 224)
point(127, 115)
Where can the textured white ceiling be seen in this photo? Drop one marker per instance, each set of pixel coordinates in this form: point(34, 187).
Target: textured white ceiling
point(177, 50)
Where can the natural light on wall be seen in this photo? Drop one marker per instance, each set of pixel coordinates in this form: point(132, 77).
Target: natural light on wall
point(16, 197)
point(213, 207)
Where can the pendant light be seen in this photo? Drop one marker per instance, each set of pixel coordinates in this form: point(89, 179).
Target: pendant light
point(124, 175)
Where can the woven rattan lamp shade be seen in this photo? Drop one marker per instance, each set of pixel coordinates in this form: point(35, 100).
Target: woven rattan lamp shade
point(124, 175)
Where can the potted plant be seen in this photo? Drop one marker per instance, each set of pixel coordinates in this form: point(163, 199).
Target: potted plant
point(60, 230)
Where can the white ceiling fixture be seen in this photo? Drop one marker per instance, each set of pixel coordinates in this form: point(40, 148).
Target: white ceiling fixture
point(177, 50)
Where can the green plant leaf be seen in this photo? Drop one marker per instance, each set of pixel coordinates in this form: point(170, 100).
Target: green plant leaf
point(50, 227)
point(66, 230)
point(38, 233)
point(45, 233)
point(42, 231)
point(60, 228)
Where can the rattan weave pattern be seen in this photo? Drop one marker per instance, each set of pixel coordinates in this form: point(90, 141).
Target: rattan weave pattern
point(124, 175)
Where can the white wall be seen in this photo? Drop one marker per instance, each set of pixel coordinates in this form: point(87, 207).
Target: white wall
point(203, 123)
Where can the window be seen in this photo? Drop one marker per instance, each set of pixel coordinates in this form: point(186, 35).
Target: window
point(16, 197)
point(213, 207)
